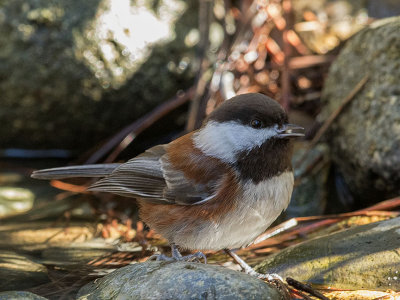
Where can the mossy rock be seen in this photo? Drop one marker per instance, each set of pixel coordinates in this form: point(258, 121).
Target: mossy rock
point(363, 257)
point(19, 295)
point(20, 272)
point(365, 138)
point(177, 280)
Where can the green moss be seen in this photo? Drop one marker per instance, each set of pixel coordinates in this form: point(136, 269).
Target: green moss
point(361, 257)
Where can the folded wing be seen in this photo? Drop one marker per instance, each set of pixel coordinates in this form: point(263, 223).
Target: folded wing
point(150, 176)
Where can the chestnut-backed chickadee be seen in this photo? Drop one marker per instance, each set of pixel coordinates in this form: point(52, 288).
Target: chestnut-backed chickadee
point(218, 187)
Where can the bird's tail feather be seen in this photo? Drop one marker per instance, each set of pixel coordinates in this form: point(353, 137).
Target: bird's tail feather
point(99, 170)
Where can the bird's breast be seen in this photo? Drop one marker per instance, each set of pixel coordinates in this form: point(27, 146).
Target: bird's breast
point(255, 208)
point(259, 205)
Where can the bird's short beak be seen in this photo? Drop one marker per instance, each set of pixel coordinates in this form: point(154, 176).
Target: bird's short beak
point(290, 130)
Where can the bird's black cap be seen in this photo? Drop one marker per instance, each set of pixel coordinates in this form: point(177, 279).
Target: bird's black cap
point(247, 107)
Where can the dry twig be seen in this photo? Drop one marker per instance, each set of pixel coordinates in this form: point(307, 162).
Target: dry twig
point(306, 288)
point(333, 117)
point(123, 138)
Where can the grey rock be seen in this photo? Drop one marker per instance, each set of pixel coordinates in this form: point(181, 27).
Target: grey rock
point(365, 139)
point(20, 272)
point(383, 8)
point(310, 195)
point(74, 72)
point(177, 280)
point(364, 257)
point(73, 254)
point(19, 295)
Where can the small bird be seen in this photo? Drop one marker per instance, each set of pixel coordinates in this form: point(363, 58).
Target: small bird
point(218, 187)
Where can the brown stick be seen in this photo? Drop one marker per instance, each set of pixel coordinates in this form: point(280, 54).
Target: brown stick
point(276, 230)
point(391, 214)
point(302, 62)
point(127, 134)
point(68, 186)
point(287, 50)
point(375, 210)
point(384, 205)
point(333, 117)
point(306, 288)
point(296, 293)
point(198, 105)
point(388, 204)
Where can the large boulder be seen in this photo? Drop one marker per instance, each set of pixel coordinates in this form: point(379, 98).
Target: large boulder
point(177, 280)
point(383, 8)
point(363, 257)
point(365, 138)
point(74, 72)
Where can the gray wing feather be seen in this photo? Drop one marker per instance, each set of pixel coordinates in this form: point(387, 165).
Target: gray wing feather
point(138, 177)
point(151, 177)
point(99, 170)
point(179, 189)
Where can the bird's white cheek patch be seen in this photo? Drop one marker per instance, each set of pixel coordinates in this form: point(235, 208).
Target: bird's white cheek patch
point(225, 140)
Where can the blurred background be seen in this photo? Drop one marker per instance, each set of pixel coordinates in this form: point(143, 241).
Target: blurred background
point(102, 80)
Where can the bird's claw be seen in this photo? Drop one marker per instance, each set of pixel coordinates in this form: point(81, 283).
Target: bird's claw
point(161, 257)
point(196, 257)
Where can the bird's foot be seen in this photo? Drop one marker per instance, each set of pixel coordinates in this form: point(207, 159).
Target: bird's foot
point(177, 256)
point(161, 257)
point(197, 257)
point(271, 278)
point(274, 279)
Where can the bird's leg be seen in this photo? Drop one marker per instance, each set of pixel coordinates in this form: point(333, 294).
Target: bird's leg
point(177, 256)
point(274, 279)
point(191, 257)
point(175, 252)
point(249, 270)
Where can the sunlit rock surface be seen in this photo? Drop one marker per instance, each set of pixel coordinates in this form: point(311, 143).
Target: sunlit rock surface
point(15, 200)
point(40, 235)
point(177, 280)
point(74, 72)
point(365, 138)
point(364, 257)
point(20, 272)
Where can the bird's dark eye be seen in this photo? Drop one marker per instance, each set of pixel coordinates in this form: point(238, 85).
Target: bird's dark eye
point(256, 123)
